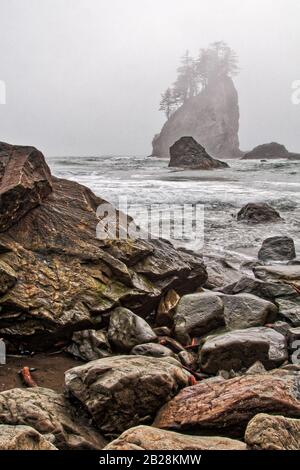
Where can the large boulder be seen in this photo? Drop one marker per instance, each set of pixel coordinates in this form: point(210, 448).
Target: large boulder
point(197, 314)
point(267, 432)
point(226, 406)
point(212, 118)
point(150, 438)
point(57, 277)
point(187, 153)
point(25, 180)
point(247, 310)
point(124, 391)
point(49, 413)
point(23, 438)
point(127, 330)
point(240, 349)
point(267, 151)
point(277, 249)
point(258, 213)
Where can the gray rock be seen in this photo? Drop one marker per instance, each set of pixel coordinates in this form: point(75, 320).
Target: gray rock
point(277, 249)
point(279, 273)
point(127, 330)
point(267, 151)
point(49, 412)
point(264, 289)
point(197, 314)
point(268, 432)
point(23, 438)
point(258, 213)
point(188, 153)
point(289, 308)
point(89, 345)
point(152, 349)
point(247, 310)
point(124, 391)
point(256, 369)
point(242, 348)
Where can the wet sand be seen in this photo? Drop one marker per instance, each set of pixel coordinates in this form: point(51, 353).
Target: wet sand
point(49, 374)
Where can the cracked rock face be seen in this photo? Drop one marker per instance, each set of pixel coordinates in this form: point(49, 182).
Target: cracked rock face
point(23, 438)
point(218, 405)
point(124, 391)
point(49, 413)
point(56, 276)
point(269, 432)
point(240, 349)
point(25, 180)
point(150, 438)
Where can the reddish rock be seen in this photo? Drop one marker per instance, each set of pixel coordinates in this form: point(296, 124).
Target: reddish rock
point(25, 180)
point(226, 406)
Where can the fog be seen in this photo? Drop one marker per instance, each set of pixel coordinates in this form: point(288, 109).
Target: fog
point(85, 76)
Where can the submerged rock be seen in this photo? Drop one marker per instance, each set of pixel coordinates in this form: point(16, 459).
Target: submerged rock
point(218, 405)
point(277, 249)
point(49, 413)
point(124, 391)
point(23, 438)
point(149, 438)
point(258, 213)
point(187, 153)
point(269, 432)
point(240, 349)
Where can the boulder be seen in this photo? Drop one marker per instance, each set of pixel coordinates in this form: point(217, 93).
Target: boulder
point(211, 117)
point(289, 308)
point(23, 438)
point(25, 181)
point(279, 274)
point(258, 213)
point(89, 345)
point(127, 330)
point(187, 153)
point(226, 406)
point(197, 314)
point(124, 391)
point(152, 349)
point(247, 310)
point(49, 413)
point(267, 152)
point(266, 290)
point(149, 438)
point(268, 432)
point(277, 249)
point(242, 348)
point(57, 277)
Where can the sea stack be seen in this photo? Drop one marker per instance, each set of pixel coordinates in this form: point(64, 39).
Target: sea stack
point(188, 153)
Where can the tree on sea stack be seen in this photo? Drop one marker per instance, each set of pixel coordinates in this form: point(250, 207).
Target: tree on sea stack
point(193, 75)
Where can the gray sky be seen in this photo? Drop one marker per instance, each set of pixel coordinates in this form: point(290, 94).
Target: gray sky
point(85, 76)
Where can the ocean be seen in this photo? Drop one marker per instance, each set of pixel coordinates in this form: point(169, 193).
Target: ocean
point(148, 182)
